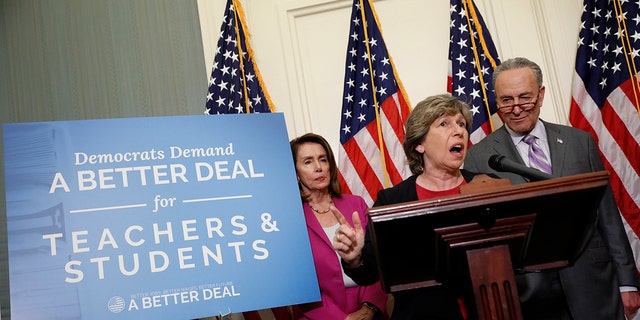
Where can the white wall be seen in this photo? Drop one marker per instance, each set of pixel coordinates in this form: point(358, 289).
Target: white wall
point(300, 48)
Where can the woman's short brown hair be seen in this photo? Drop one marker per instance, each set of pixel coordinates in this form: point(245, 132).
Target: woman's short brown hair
point(421, 118)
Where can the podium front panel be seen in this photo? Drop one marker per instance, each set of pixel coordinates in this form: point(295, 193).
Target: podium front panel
point(545, 224)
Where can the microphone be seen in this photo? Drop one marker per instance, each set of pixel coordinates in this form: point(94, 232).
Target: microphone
point(501, 163)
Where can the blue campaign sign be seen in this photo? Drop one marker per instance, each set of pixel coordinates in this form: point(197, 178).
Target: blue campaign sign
point(154, 218)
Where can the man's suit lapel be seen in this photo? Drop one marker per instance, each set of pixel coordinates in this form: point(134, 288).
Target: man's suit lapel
point(557, 148)
point(503, 146)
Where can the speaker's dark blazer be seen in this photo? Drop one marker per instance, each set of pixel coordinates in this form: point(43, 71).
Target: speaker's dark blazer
point(437, 302)
point(592, 284)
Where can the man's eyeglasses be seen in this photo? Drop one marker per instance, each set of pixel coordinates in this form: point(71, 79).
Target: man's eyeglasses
point(524, 106)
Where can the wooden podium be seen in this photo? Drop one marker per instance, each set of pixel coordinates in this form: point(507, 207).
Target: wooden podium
point(474, 241)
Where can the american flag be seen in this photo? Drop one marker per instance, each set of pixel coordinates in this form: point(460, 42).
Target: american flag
point(472, 59)
point(236, 86)
point(606, 98)
point(374, 109)
point(233, 67)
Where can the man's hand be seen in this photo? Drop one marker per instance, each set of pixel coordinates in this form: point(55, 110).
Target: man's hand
point(631, 302)
point(349, 240)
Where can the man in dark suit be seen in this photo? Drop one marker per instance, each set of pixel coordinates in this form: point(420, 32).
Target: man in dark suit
point(603, 283)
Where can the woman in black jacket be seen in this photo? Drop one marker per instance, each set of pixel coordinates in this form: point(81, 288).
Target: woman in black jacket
point(437, 135)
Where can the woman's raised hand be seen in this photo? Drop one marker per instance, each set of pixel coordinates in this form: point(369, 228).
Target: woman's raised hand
point(349, 240)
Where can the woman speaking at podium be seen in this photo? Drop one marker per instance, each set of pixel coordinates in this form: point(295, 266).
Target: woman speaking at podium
point(437, 134)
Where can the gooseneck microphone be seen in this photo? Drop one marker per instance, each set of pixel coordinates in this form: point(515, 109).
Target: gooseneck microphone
point(501, 163)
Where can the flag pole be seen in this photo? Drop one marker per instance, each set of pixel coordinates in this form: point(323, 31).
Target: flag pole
point(626, 44)
point(238, 13)
point(469, 9)
point(376, 107)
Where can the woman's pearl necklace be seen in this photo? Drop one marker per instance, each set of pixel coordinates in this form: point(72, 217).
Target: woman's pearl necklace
point(322, 212)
